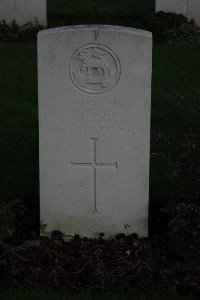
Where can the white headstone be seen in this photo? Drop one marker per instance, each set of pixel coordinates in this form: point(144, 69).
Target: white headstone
point(194, 11)
point(24, 11)
point(94, 120)
point(175, 6)
point(188, 8)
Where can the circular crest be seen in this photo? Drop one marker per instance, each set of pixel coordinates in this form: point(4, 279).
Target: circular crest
point(94, 69)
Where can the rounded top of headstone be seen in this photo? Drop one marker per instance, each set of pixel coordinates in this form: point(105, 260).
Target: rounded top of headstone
point(111, 28)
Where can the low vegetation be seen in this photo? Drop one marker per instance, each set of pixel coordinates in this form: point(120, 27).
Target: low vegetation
point(49, 295)
point(164, 26)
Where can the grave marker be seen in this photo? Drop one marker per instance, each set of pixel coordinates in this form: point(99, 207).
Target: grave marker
point(189, 8)
point(194, 11)
point(174, 6)
point(24, 11)
point(94, 120)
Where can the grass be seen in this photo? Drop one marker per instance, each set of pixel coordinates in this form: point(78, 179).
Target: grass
point(19, 124)
point(60, 11)
point(175, 94)
point(49, 295)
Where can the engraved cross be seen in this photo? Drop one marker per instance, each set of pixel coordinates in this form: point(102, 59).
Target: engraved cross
point(93, 165)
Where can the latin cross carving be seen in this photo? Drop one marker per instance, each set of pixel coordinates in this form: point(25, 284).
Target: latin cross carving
point(93, 166)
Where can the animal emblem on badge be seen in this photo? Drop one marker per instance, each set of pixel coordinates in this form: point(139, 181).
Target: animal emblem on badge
point(94, 69)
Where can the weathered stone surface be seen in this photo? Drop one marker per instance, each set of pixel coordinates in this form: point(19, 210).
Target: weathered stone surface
point(175, 6)
point(24, 11)
point(94, 120)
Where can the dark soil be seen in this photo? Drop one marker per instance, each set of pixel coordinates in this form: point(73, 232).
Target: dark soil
point(168, 262)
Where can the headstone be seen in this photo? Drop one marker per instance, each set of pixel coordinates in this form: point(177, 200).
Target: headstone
point(94, 121)
point(194, 11)
point(175, 6)
point(188, 8)
point(23, 11)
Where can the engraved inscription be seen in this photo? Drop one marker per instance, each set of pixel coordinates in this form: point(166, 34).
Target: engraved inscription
point(93, 165)
point(95, 117)
point(94, 69)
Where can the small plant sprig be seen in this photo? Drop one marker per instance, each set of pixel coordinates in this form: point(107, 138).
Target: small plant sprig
point(9, 213)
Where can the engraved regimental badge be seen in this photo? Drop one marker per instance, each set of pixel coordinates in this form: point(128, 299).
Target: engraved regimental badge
point(94, 69)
